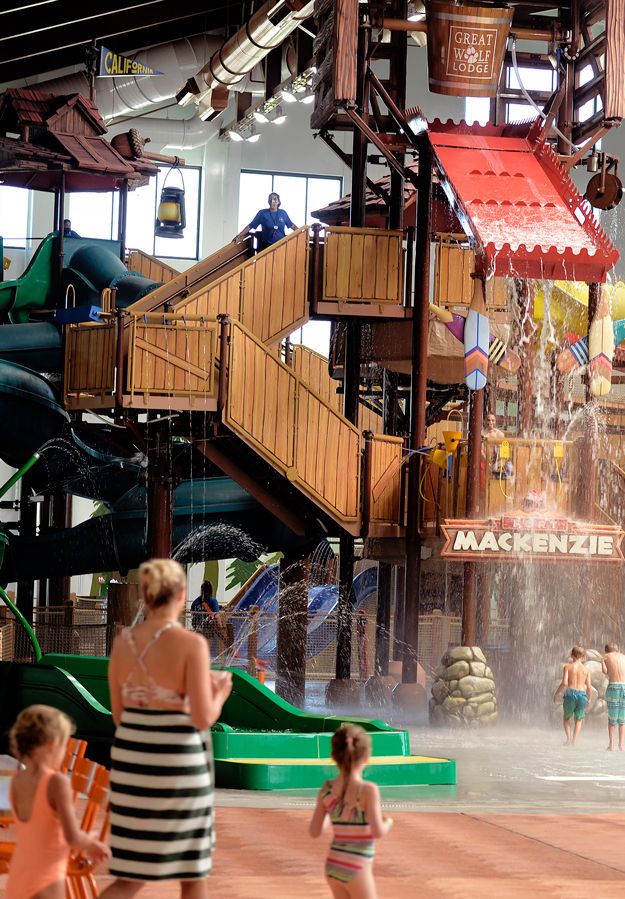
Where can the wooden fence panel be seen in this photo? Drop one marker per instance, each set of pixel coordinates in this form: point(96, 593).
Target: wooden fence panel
point(268, 293)
point(292, 427)
point(170, 356)
point(90, 353)
point(150, 266)
point(363, 265)
point(386, 475)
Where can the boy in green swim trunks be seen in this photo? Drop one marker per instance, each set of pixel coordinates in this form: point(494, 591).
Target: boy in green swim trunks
point(576, 685)
point(613, 665)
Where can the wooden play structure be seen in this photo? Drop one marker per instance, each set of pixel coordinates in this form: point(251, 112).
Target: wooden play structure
point(205, 357)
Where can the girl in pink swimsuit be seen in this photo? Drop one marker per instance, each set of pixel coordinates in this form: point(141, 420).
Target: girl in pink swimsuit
point(41, 802)
point(353, 808)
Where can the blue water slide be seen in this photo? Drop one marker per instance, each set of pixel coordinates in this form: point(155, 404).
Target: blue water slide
point(322, 602)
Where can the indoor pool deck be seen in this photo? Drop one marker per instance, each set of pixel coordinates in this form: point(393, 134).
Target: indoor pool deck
point(528, 817)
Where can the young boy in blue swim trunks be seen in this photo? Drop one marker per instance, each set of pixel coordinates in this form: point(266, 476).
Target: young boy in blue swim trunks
point(576, 685)
point(613, 665)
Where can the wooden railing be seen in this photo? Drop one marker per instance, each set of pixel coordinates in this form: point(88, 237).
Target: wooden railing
point(268, 293)
point(150, 266)
point(534, 465)
point(363, 265)
point(313, 368)
point(171, 362)
point(272, 410)
point(89, 370)
point(453, 263)
point(383, 483)
point(174, 291)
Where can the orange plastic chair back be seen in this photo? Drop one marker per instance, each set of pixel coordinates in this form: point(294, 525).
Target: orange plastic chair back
point(75, 750)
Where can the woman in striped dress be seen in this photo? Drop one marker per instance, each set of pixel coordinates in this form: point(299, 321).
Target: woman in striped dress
point(353, 807)
point(163, 699)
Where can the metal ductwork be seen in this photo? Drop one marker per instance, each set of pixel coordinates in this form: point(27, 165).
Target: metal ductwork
point(124, 95)
point(265, 31)
point(170, 134)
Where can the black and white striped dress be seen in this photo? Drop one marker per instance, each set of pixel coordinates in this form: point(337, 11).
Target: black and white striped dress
point(161, 797)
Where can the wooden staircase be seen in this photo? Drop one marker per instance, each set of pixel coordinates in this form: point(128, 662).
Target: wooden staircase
point(211, 352)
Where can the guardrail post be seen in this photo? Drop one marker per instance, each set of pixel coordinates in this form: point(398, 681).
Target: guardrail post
point(366, 483)
point(316, 291)
point(119, 362)
point(409, 265)
point(224, 340)
point(252, 641)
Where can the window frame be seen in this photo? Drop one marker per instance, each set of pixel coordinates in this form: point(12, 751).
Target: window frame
point(275, 174)
point(115, 211)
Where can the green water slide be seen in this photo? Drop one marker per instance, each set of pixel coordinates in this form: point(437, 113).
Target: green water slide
point(35, 289)
point(89, 266)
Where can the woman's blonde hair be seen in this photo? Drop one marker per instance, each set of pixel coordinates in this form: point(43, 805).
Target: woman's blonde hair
point(36, 726)
point(161, 580)
point(350, 745)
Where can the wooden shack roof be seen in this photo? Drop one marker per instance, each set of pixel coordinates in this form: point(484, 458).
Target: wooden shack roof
point(35, 109)
point(84, 156)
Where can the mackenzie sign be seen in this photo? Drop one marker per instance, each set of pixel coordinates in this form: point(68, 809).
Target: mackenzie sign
point(537, 538)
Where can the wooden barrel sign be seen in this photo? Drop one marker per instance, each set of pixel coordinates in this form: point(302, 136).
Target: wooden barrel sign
point(466, 47)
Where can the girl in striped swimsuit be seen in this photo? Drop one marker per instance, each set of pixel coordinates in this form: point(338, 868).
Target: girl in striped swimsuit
point(353, 808)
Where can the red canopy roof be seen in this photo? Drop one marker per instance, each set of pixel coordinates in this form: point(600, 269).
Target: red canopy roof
point(526, 216)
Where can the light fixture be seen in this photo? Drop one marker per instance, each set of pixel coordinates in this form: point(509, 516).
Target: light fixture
point(260, 115)
point(235, 134)
point(278, 116)
point(288, 95)
point(171, 218)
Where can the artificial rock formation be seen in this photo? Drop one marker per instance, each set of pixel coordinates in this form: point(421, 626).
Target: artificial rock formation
point(463, 691)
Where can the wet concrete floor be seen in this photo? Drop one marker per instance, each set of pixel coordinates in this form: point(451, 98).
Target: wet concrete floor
point(528, 816)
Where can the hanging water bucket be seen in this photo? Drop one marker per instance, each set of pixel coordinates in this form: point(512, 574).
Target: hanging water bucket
point(466, 47)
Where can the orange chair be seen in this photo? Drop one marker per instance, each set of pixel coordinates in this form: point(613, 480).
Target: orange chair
point(81, 882)
point(75, 750)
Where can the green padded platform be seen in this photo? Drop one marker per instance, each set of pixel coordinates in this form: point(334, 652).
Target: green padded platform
point(298, 773)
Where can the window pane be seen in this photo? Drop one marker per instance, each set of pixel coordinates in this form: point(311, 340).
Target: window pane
point(14, 216)
point(321, 192)
point(140, 218)
point(477, 109)
point(187, 246)
point(254, 188)
point(532, 79)
point(292, 190)
point(91, 214)
point(520, 112)
point(315, 335)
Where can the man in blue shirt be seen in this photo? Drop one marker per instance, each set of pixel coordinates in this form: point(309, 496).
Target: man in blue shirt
point(272, 222)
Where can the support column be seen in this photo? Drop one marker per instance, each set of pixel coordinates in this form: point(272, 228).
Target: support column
point(160, 492)
point(469, 603)
point(589, 456)
point(292, 630)
point(409, 695)
point(525, 376)
point(590, 425)
point(60, 518)
point(28, 528)
point(383, 619)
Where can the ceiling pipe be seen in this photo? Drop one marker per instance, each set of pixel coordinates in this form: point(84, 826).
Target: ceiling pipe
point(129, 94)
point(265, 31)
point(170, 134)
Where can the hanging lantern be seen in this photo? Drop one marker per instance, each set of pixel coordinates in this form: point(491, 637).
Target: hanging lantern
point(171, 217)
